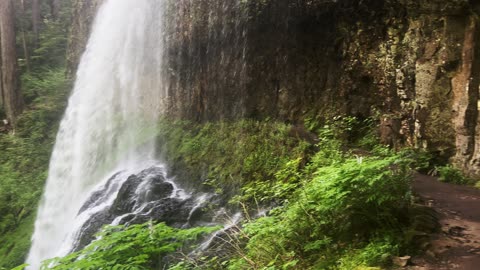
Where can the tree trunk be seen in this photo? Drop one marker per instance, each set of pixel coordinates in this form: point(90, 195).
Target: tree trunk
point(12, 97)
point(26, 53)
point(35, 20)
point(2, 93)
point(55, 8)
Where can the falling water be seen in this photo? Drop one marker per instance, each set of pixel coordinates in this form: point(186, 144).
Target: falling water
point(109, 121)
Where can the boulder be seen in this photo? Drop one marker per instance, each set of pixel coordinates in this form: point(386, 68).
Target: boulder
point(141, 198)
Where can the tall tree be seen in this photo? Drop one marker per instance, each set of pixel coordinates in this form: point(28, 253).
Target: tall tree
point(12, 98)
point(26, 53)
point(36, 20)
point(2, 95)
point(55, 8)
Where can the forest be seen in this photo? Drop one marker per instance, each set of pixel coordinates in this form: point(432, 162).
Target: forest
point(34, 91)
point(242, 134)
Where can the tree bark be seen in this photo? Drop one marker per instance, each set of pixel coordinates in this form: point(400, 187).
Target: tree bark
point(26, 53)
point(12, 97)
point(2, 93)
point(36, 20)
point(55, 8)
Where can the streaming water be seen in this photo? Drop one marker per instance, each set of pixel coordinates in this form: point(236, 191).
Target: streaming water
point(103, 168)
point(109, 122)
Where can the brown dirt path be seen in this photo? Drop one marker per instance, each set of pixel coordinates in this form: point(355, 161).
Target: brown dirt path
point(457, 245)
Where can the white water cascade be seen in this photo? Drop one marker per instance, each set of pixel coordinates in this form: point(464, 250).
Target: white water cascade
point(109, 122)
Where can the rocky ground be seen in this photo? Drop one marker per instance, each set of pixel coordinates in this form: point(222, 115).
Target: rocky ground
point(457, 243)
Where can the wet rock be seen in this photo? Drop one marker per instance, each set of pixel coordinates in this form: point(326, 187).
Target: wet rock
point(126, 197)
point(221, 244)
point(141, 198)
point(197, 214)
point(91, 227)
point(96, 198)
point(169, 210)
point(149, 185)
point(156, 190)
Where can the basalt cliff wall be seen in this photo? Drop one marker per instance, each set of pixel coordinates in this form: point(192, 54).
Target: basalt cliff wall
point(415, 64)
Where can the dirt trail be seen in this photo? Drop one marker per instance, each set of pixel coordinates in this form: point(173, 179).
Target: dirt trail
point(457, 245)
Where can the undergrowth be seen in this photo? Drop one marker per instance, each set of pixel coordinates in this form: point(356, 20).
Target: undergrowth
point(134, 247)
point(24, 161)
point(231, 156)
point(450, 174)
point(332, 200)
point(355, 207)
point(25, 153)
point(330, 207)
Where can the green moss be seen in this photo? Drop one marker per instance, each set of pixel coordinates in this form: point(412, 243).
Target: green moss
point(229, 156)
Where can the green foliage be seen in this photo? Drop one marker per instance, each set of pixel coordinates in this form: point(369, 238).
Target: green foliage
point(24, 161)
point(134, 247)
point(422, 160)
point(350, 131)
point(378, 252)
point(20, 267)
point(338, 128)
point(15, 243)
point(26, 153)
point(366, 134)
point(335, 209)
point(344, 205)
point(258, 158)
point(49, 51)
point(450, 174)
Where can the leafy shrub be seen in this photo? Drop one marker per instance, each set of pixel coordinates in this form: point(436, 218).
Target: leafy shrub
point(24, 161)
point(421, 160)
point(247, 157)
point(332, 211)
point(25, 155)
point(134, 247)
point(450, 174)
point(378, 252)
point(344, 204)
point(15, 243)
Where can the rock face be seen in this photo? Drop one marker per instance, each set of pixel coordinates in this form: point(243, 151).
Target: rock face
point(142, 197)
point(416, 63)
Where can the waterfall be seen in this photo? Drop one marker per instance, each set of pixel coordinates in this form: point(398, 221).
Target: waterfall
point(109, 122)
